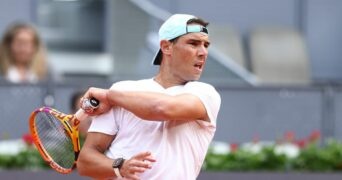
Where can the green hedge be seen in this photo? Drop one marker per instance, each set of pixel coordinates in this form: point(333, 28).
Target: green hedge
point(26, 159)
point(312, 157)
point(286, 154)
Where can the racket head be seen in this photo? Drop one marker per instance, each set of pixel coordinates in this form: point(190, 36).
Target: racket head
point(56, 140)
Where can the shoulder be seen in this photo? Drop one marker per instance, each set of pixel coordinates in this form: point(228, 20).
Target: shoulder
point(198, 83)
point(200, 86)
point(203, 90)
point(208, 95)
point(121, 84)
point(12, 70)
point(129, 84)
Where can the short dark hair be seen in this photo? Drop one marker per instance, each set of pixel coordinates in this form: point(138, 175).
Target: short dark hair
point(192, 21)
point(198, 21)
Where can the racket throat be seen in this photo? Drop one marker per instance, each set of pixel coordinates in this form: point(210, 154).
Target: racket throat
point(72, 131)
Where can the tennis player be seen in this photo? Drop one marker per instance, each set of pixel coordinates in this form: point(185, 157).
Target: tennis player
point(158, 128)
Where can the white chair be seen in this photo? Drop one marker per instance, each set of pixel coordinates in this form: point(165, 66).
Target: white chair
point(228, 41)
point(279, 56)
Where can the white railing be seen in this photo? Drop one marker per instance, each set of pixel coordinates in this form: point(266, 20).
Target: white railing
point(161, 14)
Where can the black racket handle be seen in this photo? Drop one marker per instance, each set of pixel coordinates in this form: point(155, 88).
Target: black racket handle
point(87, 105)
point(94, 102)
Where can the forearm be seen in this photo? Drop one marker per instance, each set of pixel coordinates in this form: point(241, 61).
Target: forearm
point(148, 106)
point(94, 164)
point(158, 106)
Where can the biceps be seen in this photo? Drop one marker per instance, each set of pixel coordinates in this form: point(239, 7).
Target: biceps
point(98, 141)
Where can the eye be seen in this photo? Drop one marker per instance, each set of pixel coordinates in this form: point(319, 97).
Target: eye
point(193, 43)
point(206, 44)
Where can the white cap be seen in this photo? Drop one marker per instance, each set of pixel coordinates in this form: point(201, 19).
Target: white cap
point(174, 27)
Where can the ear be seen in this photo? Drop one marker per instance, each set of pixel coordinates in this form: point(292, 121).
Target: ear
point(166, 47)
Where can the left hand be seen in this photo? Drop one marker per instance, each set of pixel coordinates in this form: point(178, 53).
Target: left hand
point(101, 96)
point(136, 165)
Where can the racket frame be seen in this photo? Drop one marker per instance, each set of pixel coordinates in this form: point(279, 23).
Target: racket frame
point(72, 131)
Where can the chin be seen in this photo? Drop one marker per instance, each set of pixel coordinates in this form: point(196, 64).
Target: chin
point(194, 78)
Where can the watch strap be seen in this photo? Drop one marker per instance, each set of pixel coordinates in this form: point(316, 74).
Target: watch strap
point(117, 172)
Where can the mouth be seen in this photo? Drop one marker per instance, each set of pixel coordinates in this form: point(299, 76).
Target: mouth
point(199, 66)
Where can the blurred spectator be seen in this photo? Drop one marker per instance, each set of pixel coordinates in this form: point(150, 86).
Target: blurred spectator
point(75, 106)
point(22, 55)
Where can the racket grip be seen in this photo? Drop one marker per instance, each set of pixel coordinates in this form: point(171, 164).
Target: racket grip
point(88, 105)
point(81, 115)
point(94, 103)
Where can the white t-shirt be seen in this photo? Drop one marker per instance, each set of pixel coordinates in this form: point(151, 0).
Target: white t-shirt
point(14, 76)
point(178, 146)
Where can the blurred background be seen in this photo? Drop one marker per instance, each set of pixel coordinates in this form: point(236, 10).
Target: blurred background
point(276, 63)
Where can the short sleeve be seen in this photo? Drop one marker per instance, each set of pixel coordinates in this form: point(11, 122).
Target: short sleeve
point(209, 97)
point(107, 123)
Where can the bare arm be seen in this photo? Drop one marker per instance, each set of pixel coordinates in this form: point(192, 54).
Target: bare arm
point(150, 105)
point(93, 163)
point(158, 106)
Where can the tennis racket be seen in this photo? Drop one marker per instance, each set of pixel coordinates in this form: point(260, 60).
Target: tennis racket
point(56, 135)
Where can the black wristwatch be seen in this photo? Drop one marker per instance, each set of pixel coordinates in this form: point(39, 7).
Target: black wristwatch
point(117, 164)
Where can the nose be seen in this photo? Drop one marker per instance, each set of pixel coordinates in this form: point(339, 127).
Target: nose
point(203, 51)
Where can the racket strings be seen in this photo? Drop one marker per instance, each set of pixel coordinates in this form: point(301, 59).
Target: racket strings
point(54, 139)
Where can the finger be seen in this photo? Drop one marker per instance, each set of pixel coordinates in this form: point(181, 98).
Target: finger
point(150, 158)
point(86, 106)
point(137, 169)
point(132, 176)
point(142, 155)
point(141, 164)
point(91, 92)
point(87, 94)
point(81, 102)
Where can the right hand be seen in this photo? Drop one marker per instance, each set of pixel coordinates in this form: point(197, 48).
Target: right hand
point(137, 164)
point(101, 96)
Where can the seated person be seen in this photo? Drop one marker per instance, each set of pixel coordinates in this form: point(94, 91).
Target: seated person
point(22, 55)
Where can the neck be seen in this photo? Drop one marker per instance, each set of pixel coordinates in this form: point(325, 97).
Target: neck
point(22, 69)
point(168, 81)
point(21, 66)
point(21, 63)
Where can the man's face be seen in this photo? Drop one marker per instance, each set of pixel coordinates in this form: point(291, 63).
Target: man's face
point(188, 56)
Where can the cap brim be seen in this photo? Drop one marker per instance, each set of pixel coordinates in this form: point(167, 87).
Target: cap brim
point(157, 58)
